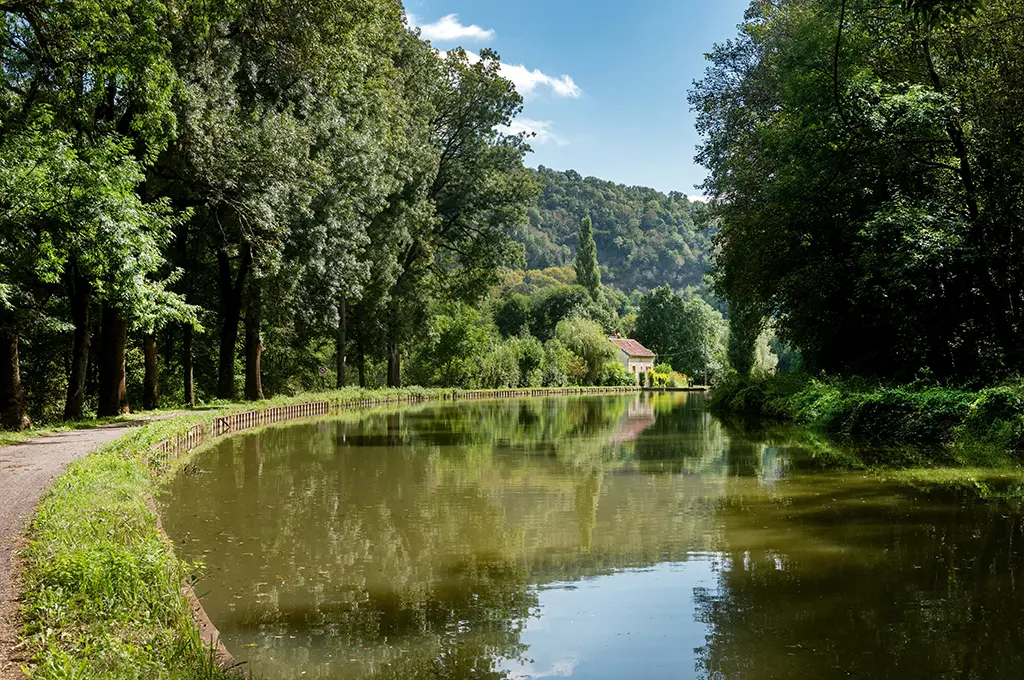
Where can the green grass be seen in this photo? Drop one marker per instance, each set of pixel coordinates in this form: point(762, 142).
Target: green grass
point(102, 589)
point(7, 438)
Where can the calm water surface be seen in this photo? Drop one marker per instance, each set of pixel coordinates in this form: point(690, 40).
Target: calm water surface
point(589, 538)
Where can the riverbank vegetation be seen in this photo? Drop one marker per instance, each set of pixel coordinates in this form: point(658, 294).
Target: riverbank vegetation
point(102, 590)
point(864, 166)
point(867, 410)
point(864, 162)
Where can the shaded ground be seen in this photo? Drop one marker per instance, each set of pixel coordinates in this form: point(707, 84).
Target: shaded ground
point(26, 470)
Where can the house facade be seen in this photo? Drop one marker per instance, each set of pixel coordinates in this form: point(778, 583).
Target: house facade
point(637, 359)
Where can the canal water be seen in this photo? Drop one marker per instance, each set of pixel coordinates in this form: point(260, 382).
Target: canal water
point(594, 538)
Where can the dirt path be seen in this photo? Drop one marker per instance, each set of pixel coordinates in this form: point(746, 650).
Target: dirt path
point(26, 470)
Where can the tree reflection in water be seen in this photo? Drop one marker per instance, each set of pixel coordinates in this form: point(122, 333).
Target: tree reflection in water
point(411, 544)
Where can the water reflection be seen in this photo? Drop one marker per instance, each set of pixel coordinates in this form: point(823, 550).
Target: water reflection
point(588, 538)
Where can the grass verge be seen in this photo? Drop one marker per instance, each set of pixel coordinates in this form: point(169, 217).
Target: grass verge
point(103, 594)
point(102, 590)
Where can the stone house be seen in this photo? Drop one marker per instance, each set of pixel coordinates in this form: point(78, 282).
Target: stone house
point(637, 359)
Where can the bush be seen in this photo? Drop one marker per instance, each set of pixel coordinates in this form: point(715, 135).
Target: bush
point(614, 374)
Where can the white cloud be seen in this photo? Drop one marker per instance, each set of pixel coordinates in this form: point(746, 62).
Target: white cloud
point(449, 28)
point(540, 129)
point(526, 81)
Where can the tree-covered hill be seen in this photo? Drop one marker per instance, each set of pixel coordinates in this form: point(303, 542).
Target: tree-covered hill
point(645, 238)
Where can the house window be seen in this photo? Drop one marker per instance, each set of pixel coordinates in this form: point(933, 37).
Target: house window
point(634, 369)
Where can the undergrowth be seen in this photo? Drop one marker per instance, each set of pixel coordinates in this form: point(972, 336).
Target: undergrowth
point(966, 419)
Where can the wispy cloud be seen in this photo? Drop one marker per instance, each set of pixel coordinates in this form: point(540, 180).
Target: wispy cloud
point(539, 130)
point(449, 29)
point(528, 81)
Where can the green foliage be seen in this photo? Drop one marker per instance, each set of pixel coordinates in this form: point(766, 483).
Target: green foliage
point(992, 417)
point(745, 327)
point(587, 340)
point(555, 305)
point(513, 314)
point(588, 274)
point(614, 374)
point(643, 238)
point(687, 333)
point(450, 354)
point(862, 168)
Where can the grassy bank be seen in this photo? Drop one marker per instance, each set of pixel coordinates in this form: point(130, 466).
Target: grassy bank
point(102, 590)
point(992, 417)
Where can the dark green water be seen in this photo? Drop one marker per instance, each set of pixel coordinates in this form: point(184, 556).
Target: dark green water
point(590, 538)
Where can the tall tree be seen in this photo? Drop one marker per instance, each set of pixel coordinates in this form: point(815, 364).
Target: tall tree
point(745, 326)
point(470, 190)
point(588, 274)
point(863, 161)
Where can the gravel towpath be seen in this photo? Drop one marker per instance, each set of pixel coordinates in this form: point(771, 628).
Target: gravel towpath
point(26, 470)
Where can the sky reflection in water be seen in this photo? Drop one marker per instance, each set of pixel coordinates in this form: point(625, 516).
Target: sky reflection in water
point(592, 538)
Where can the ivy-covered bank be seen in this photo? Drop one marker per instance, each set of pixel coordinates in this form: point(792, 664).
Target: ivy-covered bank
point(102, 589)
point(868, 410)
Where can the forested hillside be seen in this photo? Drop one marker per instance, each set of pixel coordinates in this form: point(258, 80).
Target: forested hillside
point(645, 238)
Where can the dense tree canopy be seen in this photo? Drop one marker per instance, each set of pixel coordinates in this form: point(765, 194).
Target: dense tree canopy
point(312, 176)
point(865, 161)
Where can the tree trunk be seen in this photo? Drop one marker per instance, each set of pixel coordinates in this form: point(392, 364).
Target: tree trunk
point(113, 398)
point(230, 313)
point(150, 385)
point(394, 365)
point(81, 301)
point(12, 399)
point(253, 345)
point(187, 365)
point(339, 345)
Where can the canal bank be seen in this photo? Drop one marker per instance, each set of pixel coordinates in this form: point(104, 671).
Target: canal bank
point(101, 593)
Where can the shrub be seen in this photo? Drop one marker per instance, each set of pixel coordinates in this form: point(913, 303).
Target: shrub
point(615, 374)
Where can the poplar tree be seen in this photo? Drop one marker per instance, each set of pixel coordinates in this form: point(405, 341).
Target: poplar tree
point(588, 274)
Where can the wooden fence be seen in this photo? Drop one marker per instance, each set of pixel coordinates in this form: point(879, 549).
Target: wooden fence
point(247, 420)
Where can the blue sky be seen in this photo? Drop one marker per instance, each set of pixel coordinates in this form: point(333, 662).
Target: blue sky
point(605, 81)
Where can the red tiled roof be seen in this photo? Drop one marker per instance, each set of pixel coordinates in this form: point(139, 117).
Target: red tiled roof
point(632, 347)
